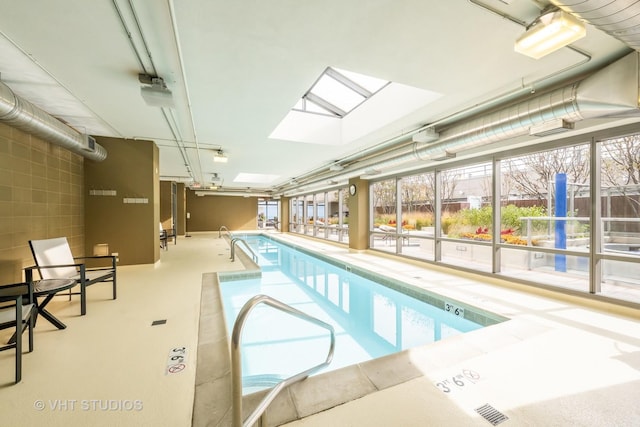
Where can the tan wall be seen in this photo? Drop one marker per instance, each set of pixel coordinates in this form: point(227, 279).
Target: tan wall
point(41, 196)
point(359, 215)
point(130, 229)
point(209, 213)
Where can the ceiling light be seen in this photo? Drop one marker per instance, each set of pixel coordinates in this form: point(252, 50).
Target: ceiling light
point(445, 155)
point(426, 135)
point(156, 94)
point(336, 167)
point(551, 127)
point(550, 32)
point(220, 157)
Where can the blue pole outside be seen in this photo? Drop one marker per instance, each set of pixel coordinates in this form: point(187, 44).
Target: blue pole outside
point(561, 211)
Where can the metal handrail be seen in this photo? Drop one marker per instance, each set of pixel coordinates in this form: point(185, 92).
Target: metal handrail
point(233, 249)
point(220, 231)
point(236, 363)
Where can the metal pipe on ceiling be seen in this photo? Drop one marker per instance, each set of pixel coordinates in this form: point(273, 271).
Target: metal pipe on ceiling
point(619, 19)
point(23, 115)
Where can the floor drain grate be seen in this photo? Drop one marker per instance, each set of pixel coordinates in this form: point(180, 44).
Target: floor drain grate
point(158, 322)
point(491, 414)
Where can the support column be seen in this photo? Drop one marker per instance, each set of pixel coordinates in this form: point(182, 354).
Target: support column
point(359, 214)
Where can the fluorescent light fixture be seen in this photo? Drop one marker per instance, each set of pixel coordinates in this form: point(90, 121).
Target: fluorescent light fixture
point(156, 94)
point(372, 171)
point(548, 33)
point(426, 135)
point(445, 155)
point(551, 127)
point(220, 157)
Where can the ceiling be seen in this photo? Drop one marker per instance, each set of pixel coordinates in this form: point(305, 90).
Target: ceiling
point(236, 68)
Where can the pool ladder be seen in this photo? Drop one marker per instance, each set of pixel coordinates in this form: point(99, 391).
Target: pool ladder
point(236, 360)
point(223, 227)
point(234, 241)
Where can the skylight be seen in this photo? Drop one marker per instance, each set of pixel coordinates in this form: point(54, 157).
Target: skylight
point(338, 92)
point(340, 107)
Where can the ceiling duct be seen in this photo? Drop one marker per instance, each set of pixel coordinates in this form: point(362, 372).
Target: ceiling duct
point(23, 115)
point(610, 91)
point(619, 19)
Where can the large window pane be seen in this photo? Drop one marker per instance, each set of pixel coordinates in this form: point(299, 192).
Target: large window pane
point(416, 192)
point(344, 225)
point(311, 214)
point(384, 209)
point(466, 216)
point(620, 197)
point(546, 203)
point(333, 215)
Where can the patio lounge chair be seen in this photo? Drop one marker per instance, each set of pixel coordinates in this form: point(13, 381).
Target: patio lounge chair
point(391, 234)
point(15, 314)
point(165, 235)
point(54, 260)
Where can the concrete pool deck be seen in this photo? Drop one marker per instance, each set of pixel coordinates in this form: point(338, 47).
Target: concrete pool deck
point(559, 361)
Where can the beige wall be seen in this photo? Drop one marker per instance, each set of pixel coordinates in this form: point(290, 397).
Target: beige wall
point(130, 229)
point(209, 213)
point(41, 196)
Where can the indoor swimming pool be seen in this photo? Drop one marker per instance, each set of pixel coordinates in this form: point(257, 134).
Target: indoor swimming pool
point(370, 320)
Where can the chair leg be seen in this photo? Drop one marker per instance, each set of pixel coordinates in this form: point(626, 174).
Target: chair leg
point(83, 298)
point(19, 342)
point(30, 325)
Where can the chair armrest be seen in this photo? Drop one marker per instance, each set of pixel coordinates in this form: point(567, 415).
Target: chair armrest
point(111, 257)
point(28, 271)
point(40, 267)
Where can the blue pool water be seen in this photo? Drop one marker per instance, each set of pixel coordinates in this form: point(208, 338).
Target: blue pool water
point(370, 320)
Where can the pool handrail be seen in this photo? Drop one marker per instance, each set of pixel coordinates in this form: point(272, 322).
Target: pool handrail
point(236, 362)
point(223, 227)
point(234, 241)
